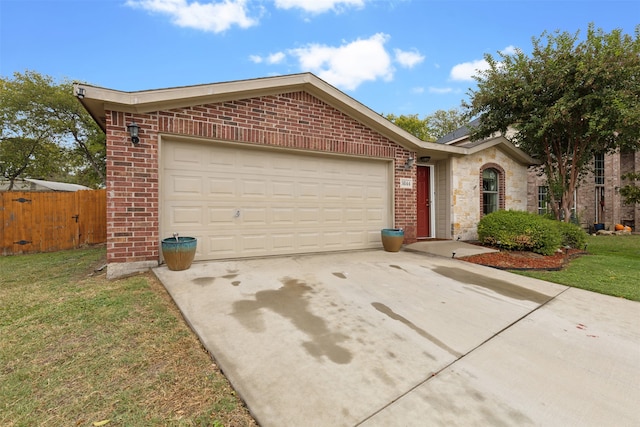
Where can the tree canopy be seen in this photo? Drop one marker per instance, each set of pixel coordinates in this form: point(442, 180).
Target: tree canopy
point(45, 132)
point(567, 101)
point(433, 126)
point(631, 190)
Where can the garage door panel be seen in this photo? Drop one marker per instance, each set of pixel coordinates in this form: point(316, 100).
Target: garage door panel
point(185, 216)
point(308, 216)
point(332, 215)
point(255, 216)
point(283, 216)
point(248, 201)
point(375, 215)
point(221, 187)
point(253, 188)
point(188, 185)
point(185, 156)
point(283, 242)
point(309, 190)
point(283, 189)
point(218, 246)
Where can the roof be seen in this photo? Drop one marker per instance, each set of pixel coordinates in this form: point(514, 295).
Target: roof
point(460, 133)
point(97, 101)
point(461, 138)
point(49, 185)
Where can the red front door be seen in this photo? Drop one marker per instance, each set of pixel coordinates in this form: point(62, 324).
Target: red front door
point(424, 202)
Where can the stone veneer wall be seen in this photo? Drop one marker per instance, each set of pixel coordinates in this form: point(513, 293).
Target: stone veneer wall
point(290, 120)
point(466, 182)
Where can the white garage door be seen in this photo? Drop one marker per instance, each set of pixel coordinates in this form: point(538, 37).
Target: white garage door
point(244, 201)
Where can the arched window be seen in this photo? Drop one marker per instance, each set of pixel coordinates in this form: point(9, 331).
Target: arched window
point(489, 191)
point(492, 189)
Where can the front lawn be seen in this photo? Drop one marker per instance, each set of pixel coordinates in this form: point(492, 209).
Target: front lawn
point(612, 267)
point(77, 349)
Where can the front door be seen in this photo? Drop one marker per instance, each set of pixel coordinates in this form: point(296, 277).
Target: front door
point(424, 202)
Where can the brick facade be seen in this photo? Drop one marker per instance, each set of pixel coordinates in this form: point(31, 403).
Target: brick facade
point(294, 120)
point(588, 207)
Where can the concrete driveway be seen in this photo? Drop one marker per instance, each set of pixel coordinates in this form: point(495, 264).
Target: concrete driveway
point(375, 338)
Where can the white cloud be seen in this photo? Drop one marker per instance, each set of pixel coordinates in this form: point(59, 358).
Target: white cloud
point(417, 89)
point(509, 50)
point(466, 70)
point(215, 17)
point(318, 6)
point(440, 90)
point(276, 58)
point(349, 65)
point(407, 58)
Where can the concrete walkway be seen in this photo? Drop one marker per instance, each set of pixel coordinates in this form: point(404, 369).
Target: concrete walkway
point(448, 248)
point(374, 338)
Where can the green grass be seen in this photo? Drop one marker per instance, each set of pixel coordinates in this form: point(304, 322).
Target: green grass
point(612, 267)
point(76, 349)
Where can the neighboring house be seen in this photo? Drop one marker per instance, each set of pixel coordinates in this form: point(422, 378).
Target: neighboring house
point(597, 200)
point(283, 165)
point(28, 184)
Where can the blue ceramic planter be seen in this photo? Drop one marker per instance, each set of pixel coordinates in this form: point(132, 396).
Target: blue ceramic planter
point(392, 239)
point(178, 252)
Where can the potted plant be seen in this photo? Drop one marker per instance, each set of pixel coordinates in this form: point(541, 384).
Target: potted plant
point(392, 239)
point(178, 252)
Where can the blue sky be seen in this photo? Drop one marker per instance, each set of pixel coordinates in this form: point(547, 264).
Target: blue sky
point(394, 56)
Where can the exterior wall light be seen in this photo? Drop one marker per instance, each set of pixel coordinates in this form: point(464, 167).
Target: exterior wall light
point(133, 129)
point(80, 92)
point(410, 161)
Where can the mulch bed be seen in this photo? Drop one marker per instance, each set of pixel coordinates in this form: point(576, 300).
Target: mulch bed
point(516, 260)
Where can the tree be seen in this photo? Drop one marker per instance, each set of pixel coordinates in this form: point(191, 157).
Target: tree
point(631, 191)
point(36, 158)
point(443, 122)
point(412, 124)
point(433, 126)
point(34, 110)
point(565, 103)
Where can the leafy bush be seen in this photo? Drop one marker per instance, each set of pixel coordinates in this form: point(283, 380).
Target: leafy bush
point(572, 235)
point(520, 231)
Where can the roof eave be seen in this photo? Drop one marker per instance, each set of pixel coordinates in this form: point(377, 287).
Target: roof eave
point(98, 100)
point(516, 153)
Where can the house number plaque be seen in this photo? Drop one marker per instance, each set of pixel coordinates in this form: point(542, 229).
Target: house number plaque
point(406, 182)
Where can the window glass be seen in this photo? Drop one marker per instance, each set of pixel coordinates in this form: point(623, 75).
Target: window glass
point(543, 193)
point(489, 191)
point(598, 168)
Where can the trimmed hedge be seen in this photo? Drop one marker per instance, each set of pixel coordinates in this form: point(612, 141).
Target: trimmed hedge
point(572, 235)
point(520, 231)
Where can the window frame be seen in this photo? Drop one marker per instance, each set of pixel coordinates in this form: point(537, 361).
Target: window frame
point(500, 190)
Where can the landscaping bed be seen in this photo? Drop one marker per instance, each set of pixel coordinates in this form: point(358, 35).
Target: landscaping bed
point(524, 260)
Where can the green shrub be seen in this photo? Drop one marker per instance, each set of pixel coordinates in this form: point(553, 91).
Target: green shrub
point(520, 231)
point(572, 235)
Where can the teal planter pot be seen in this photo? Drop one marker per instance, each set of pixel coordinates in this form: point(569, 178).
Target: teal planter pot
point(392, 239)
point(178, 252)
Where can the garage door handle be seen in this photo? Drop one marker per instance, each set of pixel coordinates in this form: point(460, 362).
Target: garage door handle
point(237, 214)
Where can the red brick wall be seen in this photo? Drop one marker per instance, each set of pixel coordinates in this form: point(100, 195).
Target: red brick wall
point(293, 120)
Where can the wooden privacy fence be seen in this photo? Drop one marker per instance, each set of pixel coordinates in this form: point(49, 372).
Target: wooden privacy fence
point(51, 221)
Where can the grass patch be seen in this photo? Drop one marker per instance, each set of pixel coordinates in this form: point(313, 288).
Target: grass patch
point(76, 349)
point(611, 268)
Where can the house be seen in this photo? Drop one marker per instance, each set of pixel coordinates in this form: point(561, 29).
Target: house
point(283, 165)
point(28, 184)
point(596, 199)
